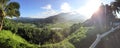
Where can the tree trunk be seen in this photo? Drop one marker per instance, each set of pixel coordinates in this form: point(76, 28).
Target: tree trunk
point(1, 19)
point(1, 23)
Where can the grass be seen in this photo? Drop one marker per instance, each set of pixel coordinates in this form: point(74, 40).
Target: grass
point(76, 36)
point(60, 25)
point(10, 40)
point(62, 44)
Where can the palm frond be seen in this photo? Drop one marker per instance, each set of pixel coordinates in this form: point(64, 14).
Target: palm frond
point(13, 13)
point(3, 3)
point(13, 5)
point(12, 9)
point(115, 7)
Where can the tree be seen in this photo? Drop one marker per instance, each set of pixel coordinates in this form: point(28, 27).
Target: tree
point(110, 16)
point(115, 6)
point(8, 9)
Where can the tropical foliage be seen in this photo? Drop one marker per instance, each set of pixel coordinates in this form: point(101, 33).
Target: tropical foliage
point(47, 37)
point(10, 9)
point(53, 35)
point(10, 40)
point(115, 6)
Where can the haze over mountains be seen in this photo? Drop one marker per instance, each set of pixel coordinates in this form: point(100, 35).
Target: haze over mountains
point(62, 17)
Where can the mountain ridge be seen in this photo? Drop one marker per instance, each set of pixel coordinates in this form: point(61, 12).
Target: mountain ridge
point(62, 17)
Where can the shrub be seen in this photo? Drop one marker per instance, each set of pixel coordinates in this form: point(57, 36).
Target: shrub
point(63, 44)
point(10, 40)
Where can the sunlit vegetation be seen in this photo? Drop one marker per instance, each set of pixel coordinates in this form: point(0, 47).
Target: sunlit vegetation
point(47, 36)
point(8, 9)
point(69, 41)
point(51, 33)
point(10, 40)
point(63, 44)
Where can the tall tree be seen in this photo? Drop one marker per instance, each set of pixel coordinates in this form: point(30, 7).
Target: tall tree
point(110, 16)
point(8, 9)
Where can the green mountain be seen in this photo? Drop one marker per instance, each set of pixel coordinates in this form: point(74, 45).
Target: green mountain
point(62, 17)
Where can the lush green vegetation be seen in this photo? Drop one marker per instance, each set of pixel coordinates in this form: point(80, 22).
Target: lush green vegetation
point(8, 9)
point(46, 36)
point(69, 41)
point(50, 34)
point(10, 40)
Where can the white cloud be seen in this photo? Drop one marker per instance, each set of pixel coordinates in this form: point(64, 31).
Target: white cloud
point(48, 12)
point(47, 7)
point(65, 7)
point(45, 14)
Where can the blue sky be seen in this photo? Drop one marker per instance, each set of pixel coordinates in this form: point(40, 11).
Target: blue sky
point(45, 8)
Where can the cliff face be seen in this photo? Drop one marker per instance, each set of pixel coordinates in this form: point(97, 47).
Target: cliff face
point(103, 18)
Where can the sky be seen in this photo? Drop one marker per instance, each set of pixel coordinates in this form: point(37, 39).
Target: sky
point(46, 8)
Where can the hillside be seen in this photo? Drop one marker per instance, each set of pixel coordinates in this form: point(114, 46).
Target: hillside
point(62, 17)
point(45, 37)
point(10, 40)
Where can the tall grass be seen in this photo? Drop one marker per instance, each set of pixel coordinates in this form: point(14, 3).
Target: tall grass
point(10, 40)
